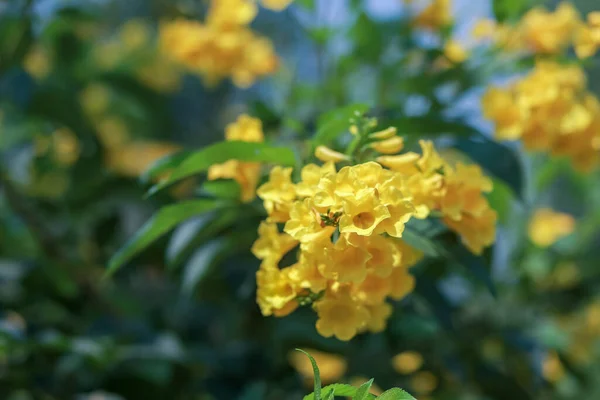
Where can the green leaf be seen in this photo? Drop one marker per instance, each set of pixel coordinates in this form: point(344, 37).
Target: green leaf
point(431, 125)
point(497, 159)
point(161, 223)
point(509, 9)
point(336, 122)
point(317, 380)
point(395, 394)
point(202, 261)
point(420, 242)
point(363, 391)
point(474, 264)
point(308, 4)
point(339, 389)
point(368, 39)
point(200, 161)
point(190, 235)
point(500, 199)
point(164, 165)
point(223, 189)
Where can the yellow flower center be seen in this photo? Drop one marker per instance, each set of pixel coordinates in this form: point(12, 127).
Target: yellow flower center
point(364, 220)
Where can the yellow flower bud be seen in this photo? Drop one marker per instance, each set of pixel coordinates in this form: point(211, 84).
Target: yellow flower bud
point(385, 134)
point(325, 154)
point(354, 130)
point(389, 146)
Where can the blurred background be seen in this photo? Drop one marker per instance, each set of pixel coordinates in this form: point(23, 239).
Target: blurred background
point(90, 97)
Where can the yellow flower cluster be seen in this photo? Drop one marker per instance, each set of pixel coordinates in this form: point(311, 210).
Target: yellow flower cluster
point(545, 32)
point(223, 46)
point(549, 110)
point(437, 15)
point(246, 174)
point(346, 226)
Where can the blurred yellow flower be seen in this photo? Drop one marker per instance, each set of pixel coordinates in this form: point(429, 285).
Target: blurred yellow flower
point(455, 52)
point(246, 174)
point(112, 132)
point(134, 158)
point(223, 46)
point(66, 146)
point(340, 316)
point(549, 32)
point(437, 15)
point(332, 367)
point(424, 382)
point(407, 362)
point(134, 34)
point(546, 226)
point(552, 368)
point(37, 62)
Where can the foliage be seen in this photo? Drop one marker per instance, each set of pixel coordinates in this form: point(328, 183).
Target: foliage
point(146, 149)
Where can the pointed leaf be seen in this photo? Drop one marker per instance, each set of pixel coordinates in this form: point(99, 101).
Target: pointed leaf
point(339, 389)
point(363, 391)
point(395, 394)
point(164, 165)
point(334, 123)
point(202, 261)
point(200, 161)
point(162, 222)
point(317, 380)
point(420, 242)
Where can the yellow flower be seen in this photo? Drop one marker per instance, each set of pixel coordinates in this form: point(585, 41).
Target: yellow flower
point(271, 244)
point(246, 174)
point(552, 368)
point(389, 146)
point(37, 63)
point(383, 251)
point(307, 274)
point(379, 314)
point(435, 16)
point(501, 107)
point(305, 223)
point(484, 29)
point(66, 146)
point(385, 134)
point(362, 214)
point(277, 5)
point(135, 158)
point(274, 288)
point(546, 227)
point(347, 263)
point(476, 232)
point(245, 129)
point(223, 47)
point(326, 154)
point(549, 32)
point(455, 52)
point(340, 316)
point(311, 176)
point(424, 382)
point(407, 362)
point(332, 367)
point(134, 34)
point(372, 290)
point(404, 163)
point(402, 283)
point(278, 194)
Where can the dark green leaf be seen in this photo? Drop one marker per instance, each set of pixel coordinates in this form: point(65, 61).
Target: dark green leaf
point(200, 161)
point(317, 379)
point(336, 122)
point(162, 222)
point(497, 159)
point(395, 394)
point(501, 200)
point(420, 242)
point(476, 265)
point(368, 39)
point(431, 125)
point(308, 4)
point(202, 261)
point(223, 189)
point(164, 165)
point(363, 391)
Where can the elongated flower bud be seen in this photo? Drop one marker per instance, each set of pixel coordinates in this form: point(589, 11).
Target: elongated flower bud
point(385, 134)
point(400, 162)
point(325, 154)
point(389, 146)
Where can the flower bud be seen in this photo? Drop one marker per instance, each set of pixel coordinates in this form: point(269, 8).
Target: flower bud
point(325, 154)
point(385, 134)
point(389, 146)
